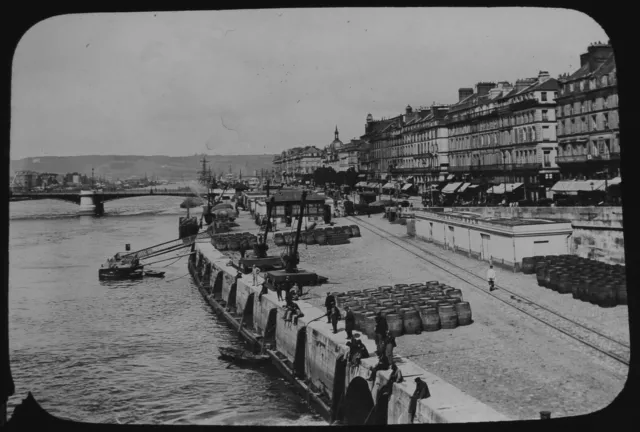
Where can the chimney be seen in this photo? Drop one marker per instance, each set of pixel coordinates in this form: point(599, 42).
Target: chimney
point(408, 109)
point(522, 84)
point(543, 76)
point(495, 92)
point(484, 87)
point(596, 55)
point(464, 93)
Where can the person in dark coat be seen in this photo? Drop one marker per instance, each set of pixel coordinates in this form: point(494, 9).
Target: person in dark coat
point(335, 317)
point(264, 290)
point(329, 302)
point(279, 290)
point(349, 322)
point(381, 331)
point(421, 392)
point(383, 364)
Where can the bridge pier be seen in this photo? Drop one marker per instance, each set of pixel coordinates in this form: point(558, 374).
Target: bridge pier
point(87, 204)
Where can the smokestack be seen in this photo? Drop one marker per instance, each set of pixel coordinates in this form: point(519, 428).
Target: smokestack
point(543, 76)
point(464, 93)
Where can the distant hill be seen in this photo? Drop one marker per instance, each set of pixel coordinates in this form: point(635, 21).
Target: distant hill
point(165, 167)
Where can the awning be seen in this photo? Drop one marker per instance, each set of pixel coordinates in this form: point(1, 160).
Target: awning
point(362, 175)
point(451, 187)
point(389, 185)
point(463, 187)
point(613, 182)
point(450, 177)
point(575, 186)
point(502, 188)
point(407, 186)
point(361, 184)
point(409, 178)
point(372, 185)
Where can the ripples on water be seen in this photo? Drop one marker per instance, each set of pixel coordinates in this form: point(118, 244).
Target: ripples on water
point(127, 352)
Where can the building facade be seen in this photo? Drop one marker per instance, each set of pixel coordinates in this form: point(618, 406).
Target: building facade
point(587, 112)
point(505, 133)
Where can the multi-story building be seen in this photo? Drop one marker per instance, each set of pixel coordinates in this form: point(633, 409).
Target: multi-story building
point(24, 180)
point(332, 152)
point(506, 133)
point(587, 112)
point(297, 161)
point(348, 155)
point(381, 135)
point(422, 156)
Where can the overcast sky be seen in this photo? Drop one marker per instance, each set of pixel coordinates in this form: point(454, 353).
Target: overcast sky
point(261, 81)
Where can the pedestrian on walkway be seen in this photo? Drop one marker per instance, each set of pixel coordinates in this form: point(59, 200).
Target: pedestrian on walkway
point(349, 322)
point(491, 278)
point(380, 331)
point(335, 317)
point(279, 290)
point(255, 271)
point(329, 302)
point(421, 392)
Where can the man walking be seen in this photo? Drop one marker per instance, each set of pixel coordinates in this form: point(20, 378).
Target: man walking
point(328, 303)
point(491, 278)
point(335, 317)
point(279, 290)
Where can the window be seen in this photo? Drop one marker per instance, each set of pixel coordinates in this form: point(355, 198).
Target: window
point(547, 158)
point(544, 96)
point(555, 95)
point(606, 121)
point(545, 115)
point(594, 122)
point(571, 87)
point(546, 133)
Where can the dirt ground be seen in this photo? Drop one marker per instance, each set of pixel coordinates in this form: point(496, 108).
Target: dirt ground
point(505, 359)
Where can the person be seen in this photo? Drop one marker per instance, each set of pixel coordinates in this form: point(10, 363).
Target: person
point(288, 297)
point(255, 271)
point(296, 313)
point(328, 303)
point(349, 322)
point(279, 290)
point(294, 292)
point(264, 290)
point(421, 392)
point(380, 331)
point(383, 364)
point(389, 345)
point(396, 375)
point(335, 317)
point(289, 309)
point(491, 278)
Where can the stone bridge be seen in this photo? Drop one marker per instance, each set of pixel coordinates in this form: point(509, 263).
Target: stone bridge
point(90, 201)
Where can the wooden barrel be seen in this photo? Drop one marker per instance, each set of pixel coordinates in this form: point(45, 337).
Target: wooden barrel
point(355, 230)
point(385, 288)
point(320, 237)
point(456, 293)
point(234, 244)
point(387, 311)
point(433, 303)
point(411, 322)
point(448, 316)
point(400, 286)
point(309, 238)
point(605, 295)
point(395, 324)
point(621, 293)
point(415, 285)
point(278, 239)
point(463, 309)
point(528, 265)
point(378, 309)
point(430, 319)
point(398, 309)
point(347, 230)
point(405, 302)
point(369, 326)
point(540, 271)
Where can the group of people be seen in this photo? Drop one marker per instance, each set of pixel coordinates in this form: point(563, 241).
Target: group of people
point(334, 315)
point(385, 343)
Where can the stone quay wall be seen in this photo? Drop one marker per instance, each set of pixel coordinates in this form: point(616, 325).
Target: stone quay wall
point(312, 345)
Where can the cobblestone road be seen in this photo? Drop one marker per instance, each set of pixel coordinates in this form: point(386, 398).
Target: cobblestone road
point(505, 359)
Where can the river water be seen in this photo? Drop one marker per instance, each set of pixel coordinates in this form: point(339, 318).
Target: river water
point(124, 352)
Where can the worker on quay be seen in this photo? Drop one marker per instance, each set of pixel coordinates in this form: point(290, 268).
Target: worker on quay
point(421, 392)
point(383, 364)
point(349, 321)
point(491, 278)
point(296, 313)
point(335, 317)
point(264, 290)
point(389, 345)
point(329, 302)
point(357, 351)
point(255, 271)
point(380, 331)
point(279, 290)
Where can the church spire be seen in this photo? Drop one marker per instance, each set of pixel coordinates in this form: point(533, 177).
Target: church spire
point(336, 132)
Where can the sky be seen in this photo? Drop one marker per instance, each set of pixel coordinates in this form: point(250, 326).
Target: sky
point(261, 81)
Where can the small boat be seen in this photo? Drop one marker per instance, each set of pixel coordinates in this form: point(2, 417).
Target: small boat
point(154, 273)
point(120, 273)
point(240, 355)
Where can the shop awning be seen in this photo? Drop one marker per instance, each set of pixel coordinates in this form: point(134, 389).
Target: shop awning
point(463, 187)
point(407, 186)
point(362, 175)
point(451, 187)
point(372, 185)
point(389, 185)
point(613, 182)
point(409, 178)
point(575, 186)
point(450, 177)
point(361, 184)
point(502, 188)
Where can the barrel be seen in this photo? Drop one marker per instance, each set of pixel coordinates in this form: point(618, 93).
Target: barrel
point(278, 239)
point(387, 311)
point(320, 237)
point(605, 295)
point(359, 319)
point(405, 302)
point(395, 323)
point(430, 319)
point(528, 265)
point(411, 322)
point(310, 238)
point(415, 285)
point(355, 230)
point(369, 326)
point(433, 303)
point(448, 316)
point(370, 307)
point(398, 309)
point(385, 288)
point(400, 286)
point(234, 244)
point(244, 243)
point(621, 293)
point(347, 230)
point(463, 309)
point(370, 290)
point(424, 300)
point(456, 293)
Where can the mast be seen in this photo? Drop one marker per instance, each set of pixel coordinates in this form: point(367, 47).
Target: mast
point(292, 263)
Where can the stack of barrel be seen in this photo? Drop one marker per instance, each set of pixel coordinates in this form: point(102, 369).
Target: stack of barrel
point(587, 280)
point(234, 241)
point(320, 236)
point(408, 309)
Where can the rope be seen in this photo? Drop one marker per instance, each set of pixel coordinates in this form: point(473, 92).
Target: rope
point(175, 261)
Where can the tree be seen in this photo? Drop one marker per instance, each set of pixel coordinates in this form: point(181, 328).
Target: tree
point(324, 175)
point(351, 177)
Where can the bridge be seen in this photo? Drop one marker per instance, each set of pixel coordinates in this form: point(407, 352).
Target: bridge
point(91, 201)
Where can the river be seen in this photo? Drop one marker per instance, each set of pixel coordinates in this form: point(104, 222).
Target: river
point(125, 352)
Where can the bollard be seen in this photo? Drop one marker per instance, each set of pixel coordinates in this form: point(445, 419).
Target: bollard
point(545, 415)
point(127, 247)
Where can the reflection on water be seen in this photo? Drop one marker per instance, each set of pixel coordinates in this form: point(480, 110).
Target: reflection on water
point(125, 351)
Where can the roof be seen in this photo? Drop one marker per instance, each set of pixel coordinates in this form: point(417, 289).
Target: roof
point(295, 195)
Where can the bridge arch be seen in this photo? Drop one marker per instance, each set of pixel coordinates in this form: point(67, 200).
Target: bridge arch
point(301, 350)
point(247, 313)
point(358, 403)
point(270, 327)
point(231, 300)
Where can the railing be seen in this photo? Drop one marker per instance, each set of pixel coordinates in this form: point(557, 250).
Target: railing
point(571, 159)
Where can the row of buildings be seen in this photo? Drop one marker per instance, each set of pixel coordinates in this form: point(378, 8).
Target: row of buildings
point(533, 132)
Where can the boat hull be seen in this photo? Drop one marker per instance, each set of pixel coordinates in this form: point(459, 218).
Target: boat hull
point(119, 274)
